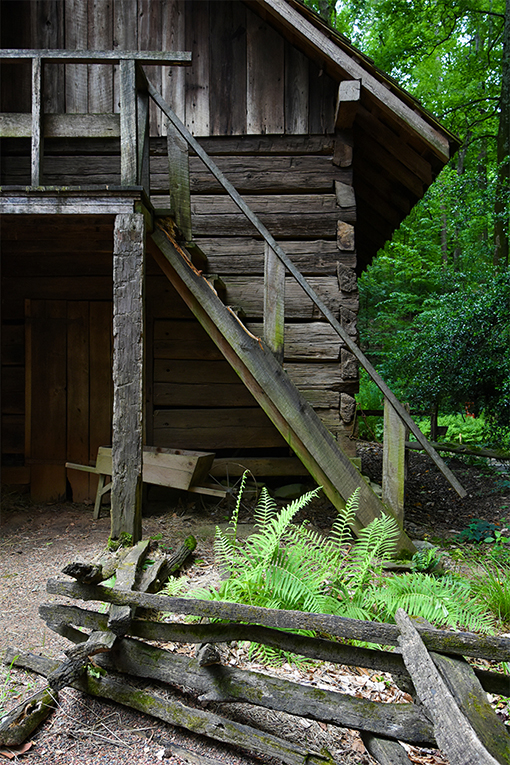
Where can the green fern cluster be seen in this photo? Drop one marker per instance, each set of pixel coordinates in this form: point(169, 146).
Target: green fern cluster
point(288, 566)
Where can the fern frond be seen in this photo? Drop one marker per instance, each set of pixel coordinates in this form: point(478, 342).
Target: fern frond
point(341, 534)
point(442, 601)
point(375, 544)
point(265, 509)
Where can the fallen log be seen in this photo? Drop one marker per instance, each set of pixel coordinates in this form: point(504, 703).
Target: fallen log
point(58, 617)
point(97, 571)
point(20, 722)
point(463, 643)
point(78, 658)
point(128, 570)
point(385, 750)
point(176, 713)
point(454, 729)
point(154, 577)
point(217, 683)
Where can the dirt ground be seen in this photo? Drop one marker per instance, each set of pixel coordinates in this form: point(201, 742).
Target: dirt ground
point(36, 541)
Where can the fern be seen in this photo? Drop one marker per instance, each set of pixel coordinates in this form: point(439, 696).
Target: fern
point(444, 602)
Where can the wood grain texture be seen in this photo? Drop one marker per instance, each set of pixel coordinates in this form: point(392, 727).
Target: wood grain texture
point(100, 37)
point(76, 76)
point(128, 360)
point(265, 77)
point(227, 94)
point(198, 76)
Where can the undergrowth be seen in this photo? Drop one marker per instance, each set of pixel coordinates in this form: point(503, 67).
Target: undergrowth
point(283, 565)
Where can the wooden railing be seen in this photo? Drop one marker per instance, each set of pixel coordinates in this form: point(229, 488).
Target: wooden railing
point(134, 103)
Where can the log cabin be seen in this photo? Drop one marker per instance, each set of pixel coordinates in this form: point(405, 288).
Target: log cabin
point(145, 300)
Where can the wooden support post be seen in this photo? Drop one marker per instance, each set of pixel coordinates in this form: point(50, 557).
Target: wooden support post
point(274, 302)
point(142, 112)
point(128, 268)
point(393, 478)
point(128, 124)
point(37, 121)
point(178, 168)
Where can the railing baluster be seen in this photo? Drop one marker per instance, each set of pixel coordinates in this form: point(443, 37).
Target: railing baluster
point(128, 124)
point(178, 169)
point(274, 302)
point(142, 111)
point(37, 122)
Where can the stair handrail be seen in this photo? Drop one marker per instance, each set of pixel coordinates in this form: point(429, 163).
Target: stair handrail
point(304, 284)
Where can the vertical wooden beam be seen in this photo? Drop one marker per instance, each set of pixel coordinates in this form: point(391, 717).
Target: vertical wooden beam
point(394, 460)
point(178, 169)
point(274, 302)
point(349, 94)
point(37, 121)
point(142, 143)
point(128, 124)
point(128, 358)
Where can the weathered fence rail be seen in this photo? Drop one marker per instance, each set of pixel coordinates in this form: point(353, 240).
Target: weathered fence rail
point(448, 695)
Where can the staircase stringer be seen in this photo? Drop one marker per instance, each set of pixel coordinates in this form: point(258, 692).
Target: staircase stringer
point(264, 377)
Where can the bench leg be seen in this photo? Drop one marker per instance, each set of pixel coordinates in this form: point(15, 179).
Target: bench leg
point(101, 489)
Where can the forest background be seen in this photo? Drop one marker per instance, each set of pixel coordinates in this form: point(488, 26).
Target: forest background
point(435, 303)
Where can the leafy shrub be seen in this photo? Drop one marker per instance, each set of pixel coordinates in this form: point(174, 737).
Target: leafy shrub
point(492, 588)
point(477, 530)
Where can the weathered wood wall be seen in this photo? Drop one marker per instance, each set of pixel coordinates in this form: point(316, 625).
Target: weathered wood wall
point(267, 113)
point(245, 78)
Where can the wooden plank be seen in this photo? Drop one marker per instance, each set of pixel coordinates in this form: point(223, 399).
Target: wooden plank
point(183, 340)
point(37, 147)
point(100, 38)
point(382, 157)
point(173, 38)
point(178, 714)
point(227, 94)
point(236, 428)
point(125, 34)
point(13, 340)
point(492, 647)
point(78, 395)
point(142, 132)
point(179, 181)
point(394, 460)
point(322, 96)
point(103, 56)
point(296, 90)
point(48, 32)
point(395, 144)
point(197, 77)
point(48, 330)
point(128, 125)
point(312, 340)
point(274, 303)
point(76, 76)
point(454, 732)
point(128, 352)
point(265, 77)
point(349, 67)
point(248, 293)
point(191, 392)
point(59, 289)
point(149, 38)
point(13, 390)
point(348, 101)
point(245, 255)
point(197, 370)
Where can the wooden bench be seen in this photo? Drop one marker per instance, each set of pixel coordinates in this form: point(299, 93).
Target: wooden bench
point(175, 468)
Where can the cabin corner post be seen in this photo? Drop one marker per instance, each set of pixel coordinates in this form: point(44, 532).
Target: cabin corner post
point(128, 366)
point(394, 461)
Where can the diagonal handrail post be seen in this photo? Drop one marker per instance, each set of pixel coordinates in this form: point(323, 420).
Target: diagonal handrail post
point(303, 283)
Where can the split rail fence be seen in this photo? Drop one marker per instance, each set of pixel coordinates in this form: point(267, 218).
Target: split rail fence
point(450, 708)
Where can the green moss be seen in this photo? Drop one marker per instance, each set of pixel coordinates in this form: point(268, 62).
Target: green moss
point(125, 540)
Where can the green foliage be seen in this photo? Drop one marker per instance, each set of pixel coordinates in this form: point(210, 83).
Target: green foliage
point(492, 588)
point(125, 540)
point(289, 566)
point(369, 397)
point(427, 561)
point(464, 430)
point(458, 350)
point(477, 530)
point(447, 601)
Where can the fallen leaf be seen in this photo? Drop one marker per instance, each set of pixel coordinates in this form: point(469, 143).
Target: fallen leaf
point(15, 751)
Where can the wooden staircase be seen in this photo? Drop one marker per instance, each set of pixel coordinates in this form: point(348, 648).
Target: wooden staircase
point(266, 380)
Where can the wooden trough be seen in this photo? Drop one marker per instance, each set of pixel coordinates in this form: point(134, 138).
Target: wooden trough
point(450, 708)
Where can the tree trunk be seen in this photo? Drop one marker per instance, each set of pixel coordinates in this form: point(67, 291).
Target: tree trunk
point(501, 207)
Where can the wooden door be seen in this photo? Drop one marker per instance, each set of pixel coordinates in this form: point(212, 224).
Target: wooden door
point(69, 394)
